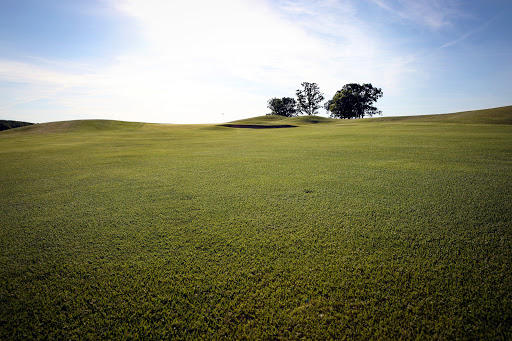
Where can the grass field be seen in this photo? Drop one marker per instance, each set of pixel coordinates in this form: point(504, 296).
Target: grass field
point(372, 229)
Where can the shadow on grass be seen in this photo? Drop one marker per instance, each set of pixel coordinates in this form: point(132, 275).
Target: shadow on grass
point(258, 126)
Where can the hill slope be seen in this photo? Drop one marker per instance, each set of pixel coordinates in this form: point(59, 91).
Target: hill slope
point(78, 126)
point(500, 115)
point(276, 121)
point(261, 120)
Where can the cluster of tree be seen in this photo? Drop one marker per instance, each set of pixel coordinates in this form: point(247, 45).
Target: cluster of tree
point(6, 124)
point(352, 101)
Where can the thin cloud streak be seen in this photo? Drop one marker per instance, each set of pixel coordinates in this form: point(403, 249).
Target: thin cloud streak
point(434, 14)
point(471, 32)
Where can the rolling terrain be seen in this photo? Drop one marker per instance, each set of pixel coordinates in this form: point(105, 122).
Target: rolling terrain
point(383, 228)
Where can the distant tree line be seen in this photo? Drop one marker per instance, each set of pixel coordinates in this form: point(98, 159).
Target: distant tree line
point(6, 124)
point(352, 101)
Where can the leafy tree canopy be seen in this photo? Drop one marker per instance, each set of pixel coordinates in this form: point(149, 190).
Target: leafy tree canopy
point(309, 98)
point(285, 106)
point(354, 101)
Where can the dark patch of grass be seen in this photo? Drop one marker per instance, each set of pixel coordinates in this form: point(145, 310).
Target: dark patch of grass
point(302, 120)
point(257, 126)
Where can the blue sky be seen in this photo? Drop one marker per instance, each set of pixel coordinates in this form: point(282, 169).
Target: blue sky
point(202, 61)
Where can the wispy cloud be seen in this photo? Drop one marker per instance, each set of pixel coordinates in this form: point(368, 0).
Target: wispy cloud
point(434, 14)
point(268, 44)
point(470, 33)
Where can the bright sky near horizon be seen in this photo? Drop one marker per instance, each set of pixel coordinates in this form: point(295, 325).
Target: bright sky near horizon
point(203, 61)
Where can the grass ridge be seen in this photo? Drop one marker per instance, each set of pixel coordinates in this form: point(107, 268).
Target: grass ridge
point(500, 115)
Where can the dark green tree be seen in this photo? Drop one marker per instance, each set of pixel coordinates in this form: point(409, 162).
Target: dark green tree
point(354, 101)
point(327, 105)
point(308, 99)
point(285, 106)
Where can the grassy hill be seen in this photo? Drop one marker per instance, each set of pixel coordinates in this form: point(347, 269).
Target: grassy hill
point(276, 120)
point(262, 120)
point(78, 126)
point(362, 229)
point(501, 115)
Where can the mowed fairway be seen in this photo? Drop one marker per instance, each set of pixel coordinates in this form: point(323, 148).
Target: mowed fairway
point(369, 229)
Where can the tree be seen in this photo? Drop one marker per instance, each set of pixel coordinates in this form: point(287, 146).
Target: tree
point(308, 99)
point(285, 106)
point(354, 101)
point(327, 105)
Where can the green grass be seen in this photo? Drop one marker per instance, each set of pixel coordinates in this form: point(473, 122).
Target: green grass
point(281, 120)
point(349, 230)
point(502, 115)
